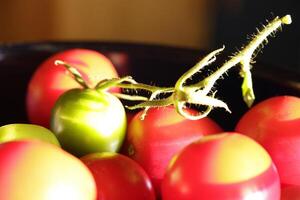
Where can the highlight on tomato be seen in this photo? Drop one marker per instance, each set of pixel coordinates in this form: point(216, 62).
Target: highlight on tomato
point(162, 133)
point(89, 120)
point(119, 177)
point(275, 124)
point(37, 170)
point(18, 131)
point(222, 167)
point(48, 81)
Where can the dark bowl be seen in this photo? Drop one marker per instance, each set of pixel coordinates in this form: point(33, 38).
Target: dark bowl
point(151, 64)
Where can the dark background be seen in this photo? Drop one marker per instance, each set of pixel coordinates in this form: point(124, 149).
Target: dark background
point(238, 18)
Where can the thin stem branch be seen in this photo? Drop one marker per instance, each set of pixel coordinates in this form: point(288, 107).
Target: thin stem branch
point(77, 76)
point(200, 93)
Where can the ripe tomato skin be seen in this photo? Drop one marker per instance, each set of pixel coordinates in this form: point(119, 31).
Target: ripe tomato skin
point(49, 81)
point(290, 192)
point(222, 167)
point(87, 121)
point(119, 177)
point(275, 124)
point(11, 132)
point(153, 141)
point(36, 170)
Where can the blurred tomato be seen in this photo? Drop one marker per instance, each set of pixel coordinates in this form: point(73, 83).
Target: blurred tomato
point(153, 141)
point(275, 124)
point(222, 167)
point(119, 177)
point(37, 170)
point(120, 60)
point(49, 81)
point(12, 132)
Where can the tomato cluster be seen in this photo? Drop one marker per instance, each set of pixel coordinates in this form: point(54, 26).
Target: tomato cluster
point(80, 144)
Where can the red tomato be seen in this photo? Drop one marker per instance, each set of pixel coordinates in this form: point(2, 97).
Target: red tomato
point(35, 170)
point(290, 192)
point(153, 141)
point(275, 124)
point(49, 81)
point(222, 167)
point(130, 115)
point(119, 177)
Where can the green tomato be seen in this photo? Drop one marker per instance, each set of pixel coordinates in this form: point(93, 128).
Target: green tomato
point(87, 121)
point(11, 132)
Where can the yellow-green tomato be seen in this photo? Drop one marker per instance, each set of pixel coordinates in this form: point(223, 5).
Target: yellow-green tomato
point(36, 170)
point(87, 121)
point(11, 132)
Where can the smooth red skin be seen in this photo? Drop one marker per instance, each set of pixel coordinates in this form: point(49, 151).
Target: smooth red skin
point(268, 123)
point(290, 192)
point(193, 163)
point(153, 146)
point(119, 177)
point(43, 89)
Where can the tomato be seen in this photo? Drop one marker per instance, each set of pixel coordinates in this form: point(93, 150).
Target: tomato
point(290, 192)
point(87, 121)
point(153, 141)
point(119, 177)
point(222, 166)
point(275, 124)
point(37, 170)
point(49, 81)
point(11, 132)
point(130, 115)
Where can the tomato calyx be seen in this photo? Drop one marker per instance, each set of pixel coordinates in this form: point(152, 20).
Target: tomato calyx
point(201, 93)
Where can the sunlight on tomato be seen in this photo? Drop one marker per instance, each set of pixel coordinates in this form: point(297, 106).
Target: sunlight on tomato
point(49, 81)
point(119, 177)
point(153, 141)
point(88, 121)
point(220, 167)
point(275, 124)
point(37, 170)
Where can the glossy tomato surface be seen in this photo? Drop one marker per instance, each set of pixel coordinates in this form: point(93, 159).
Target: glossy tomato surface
point(119, 177)
point(48, 81)
point(228, 166)
point(87, 121)
point(275, 124)
point(11, 132)
point(153, 141)
point(37, 170)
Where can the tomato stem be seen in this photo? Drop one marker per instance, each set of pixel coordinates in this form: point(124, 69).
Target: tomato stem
point(201, 93)
point(76, 74)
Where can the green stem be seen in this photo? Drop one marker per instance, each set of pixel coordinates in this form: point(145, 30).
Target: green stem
point(199, 93)
point(211, 57)
point(77, 76)
point(244, 57)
